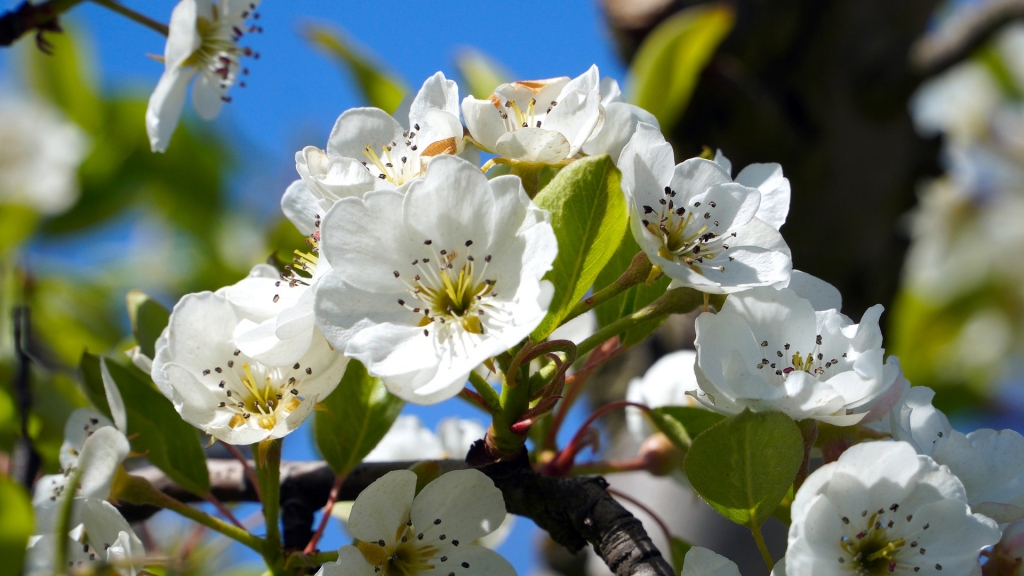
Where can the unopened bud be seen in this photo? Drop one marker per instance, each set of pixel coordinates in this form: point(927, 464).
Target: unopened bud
point(660, 456)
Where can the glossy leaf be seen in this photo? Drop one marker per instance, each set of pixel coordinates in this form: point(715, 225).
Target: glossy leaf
point(669, 63)
point(148, 318)
point(16, 522)
point(744, 465)
point(631, 300)
point(351, 421)
point(154, 426)
point(380, 87)
point(695, 420)
point(588, 213)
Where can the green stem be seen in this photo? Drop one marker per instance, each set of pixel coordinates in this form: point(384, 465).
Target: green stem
point(637, 272)
point(67, 506)
point(676, 301)
point(134, 16)
point(515, 401)
point(486, 391)
point(268, 470)
point(139, 491)
point(761, 546)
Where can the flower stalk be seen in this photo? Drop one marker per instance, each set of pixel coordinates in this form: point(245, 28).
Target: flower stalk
point(268, 468)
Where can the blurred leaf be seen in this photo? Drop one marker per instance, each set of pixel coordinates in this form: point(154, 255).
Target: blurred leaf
point(16, 224)
point(354, 419)
point(65, 78)
point(154, 427)
point(16, 522)
point(669, 63)
point(380, 87)
point(480, 73)
point(148, 318)
point(70, 315)
point(671, 428)
point(631, 300)
point(693, 420)
point(679, 550)
point(744, 465)
point(589, 216)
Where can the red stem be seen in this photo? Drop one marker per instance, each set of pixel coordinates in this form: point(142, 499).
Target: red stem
point(249, 472)
point(563, 462)
point(224, 510)
point(574, 386)
point(474, 398)
point(640, 505)
point(331, 499)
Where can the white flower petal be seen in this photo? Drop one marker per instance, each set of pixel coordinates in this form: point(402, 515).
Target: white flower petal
point(620, 122)
point(207, 96)
point(703, 562)
point(383, 507)
point(483, 121)
point(576, 117)
point(165, 106)
point(462, 505)
point(350, 562)
point(358, 128)
point(114, 400)
point(537, 145)
point(774, 188)
point(301, 207)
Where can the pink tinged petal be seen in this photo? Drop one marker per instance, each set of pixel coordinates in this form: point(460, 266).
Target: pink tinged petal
point(383, 507)
point(576, 117)
point(301, 207)
point(774, 189)
point(183, 36)
point(350, 562)
point(479, 559)
point(703, 562)
point(536, 145)
point(483, 121)
point(207, 96)
point(358, 128)
point(821, 294)
point(620, 122)
point(165, 106)
point(462, 505)
point(436, 94)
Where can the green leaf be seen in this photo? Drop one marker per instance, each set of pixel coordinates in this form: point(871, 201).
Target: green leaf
point(480, 73)
point(631, 300)
point(154, 427)
point(668, 64)
point(148, 318)
point(744, 465)
point(380, 87)
point(694, 420)
point(16, 521)
point(17, 223)
point(671, 428)
point(679, 550)
point(588, 213)
point(351, 422)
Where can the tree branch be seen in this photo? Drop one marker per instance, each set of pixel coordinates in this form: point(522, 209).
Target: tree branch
point(574, 511)
point(28, 17)
point(963, 34)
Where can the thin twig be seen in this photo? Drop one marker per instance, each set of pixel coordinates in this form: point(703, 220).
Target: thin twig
point(331, 499)
point(223, 510)
point(25, 462)
point(250, 472)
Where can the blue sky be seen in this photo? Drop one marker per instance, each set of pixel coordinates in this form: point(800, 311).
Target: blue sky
point(294, 94)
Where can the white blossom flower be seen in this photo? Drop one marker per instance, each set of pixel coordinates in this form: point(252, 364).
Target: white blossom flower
point(227, 394)
point(668, 382)
point(697, 225)
point(40, 151)
point(959, 102)
point(538, 121)
point(620, 121)
point(432, 279)
point(990, 463)
point(772, 349)
point(369, 149)
point(409, 439)
point(703, 562)
point(400, 533)
point(99, 537)
point(202, 40)
point(883, 509)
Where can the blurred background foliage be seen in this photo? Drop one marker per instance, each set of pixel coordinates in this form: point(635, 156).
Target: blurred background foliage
point(827, 89)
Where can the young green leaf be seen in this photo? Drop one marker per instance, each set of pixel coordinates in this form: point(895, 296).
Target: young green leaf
point(148, 318)
point(480, 73)
point(351, 422)
point(588, 213)
point(679, 550)
point(380, 87)
point(154, 427)
point(692, 419)
point(15, 524)
point(669, 62)
point(631, 300)
point(744, 465)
